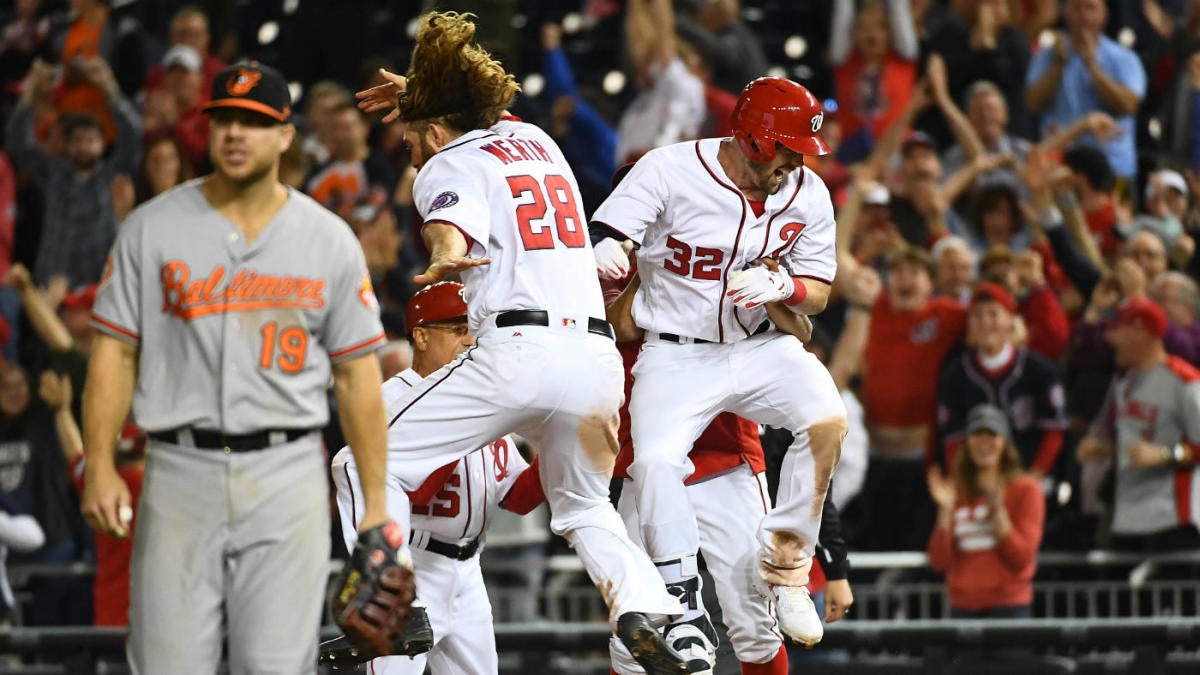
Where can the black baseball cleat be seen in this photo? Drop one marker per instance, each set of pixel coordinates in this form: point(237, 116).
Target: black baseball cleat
point(342, 654)
point(647, 647)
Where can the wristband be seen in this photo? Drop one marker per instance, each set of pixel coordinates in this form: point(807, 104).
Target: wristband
point(799, 292)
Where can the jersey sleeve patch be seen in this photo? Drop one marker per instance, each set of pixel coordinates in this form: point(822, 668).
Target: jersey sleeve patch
point(443, 200)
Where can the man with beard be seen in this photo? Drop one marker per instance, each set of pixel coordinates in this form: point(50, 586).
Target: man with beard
point(79, 223)
point(707, 216)
point(227, 304)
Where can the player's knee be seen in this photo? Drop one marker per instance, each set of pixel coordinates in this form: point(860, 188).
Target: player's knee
point(825, 439)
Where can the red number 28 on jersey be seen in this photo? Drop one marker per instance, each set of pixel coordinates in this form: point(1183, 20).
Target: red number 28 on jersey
point(571, 231)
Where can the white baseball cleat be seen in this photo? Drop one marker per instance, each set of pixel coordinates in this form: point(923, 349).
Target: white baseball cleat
point(797, 615)
point(697, 646)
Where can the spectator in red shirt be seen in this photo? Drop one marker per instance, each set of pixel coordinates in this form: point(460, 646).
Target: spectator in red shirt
point(900, 338)
point(175, 108)
point(1093, 186)
point(189, 27)
point(874, 55)
point(113, 554)
point(1023, 274)
point(989, 523)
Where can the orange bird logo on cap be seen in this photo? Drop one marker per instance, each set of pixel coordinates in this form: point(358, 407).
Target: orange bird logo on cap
point(241, 82)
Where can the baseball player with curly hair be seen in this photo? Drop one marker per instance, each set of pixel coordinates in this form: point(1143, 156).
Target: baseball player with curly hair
point(224, 308)
point(447, 514)
point(704, 215)
point(502, 208)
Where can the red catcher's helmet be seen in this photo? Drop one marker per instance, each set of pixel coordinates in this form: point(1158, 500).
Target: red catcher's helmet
point(442, 301)
point(773, 109)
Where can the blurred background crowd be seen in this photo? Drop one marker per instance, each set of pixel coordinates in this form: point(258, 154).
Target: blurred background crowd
point(1016, 189)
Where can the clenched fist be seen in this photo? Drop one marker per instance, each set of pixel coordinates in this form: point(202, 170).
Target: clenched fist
point(757, 285)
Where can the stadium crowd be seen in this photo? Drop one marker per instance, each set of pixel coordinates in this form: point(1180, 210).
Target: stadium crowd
point(1015, 321)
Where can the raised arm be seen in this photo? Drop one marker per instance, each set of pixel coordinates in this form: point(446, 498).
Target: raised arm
point(1121, 92)
point(20, 143)
point(903, 28)
point(841, 31)
point(127, 149)
point(960, 126)
point(1098, 124)
point(1046, 75)
point(56, 393)
point(42, 315)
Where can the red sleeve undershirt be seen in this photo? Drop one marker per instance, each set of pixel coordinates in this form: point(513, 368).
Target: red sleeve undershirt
point(1048, 449)
point(526, 492)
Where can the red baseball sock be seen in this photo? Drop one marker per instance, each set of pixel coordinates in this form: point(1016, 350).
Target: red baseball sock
point(776, 666)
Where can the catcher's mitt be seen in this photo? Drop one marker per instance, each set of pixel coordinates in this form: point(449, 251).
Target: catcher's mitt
point(342, 654)
point(376, 591)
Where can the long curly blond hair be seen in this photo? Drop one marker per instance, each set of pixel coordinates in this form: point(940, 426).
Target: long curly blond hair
point(452, 79)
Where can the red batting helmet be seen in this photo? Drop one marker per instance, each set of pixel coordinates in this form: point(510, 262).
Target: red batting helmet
point(442, 301)
point(772, 109)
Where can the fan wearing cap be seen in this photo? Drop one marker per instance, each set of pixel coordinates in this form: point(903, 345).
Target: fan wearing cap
point(989, 524)
point(226, 305)
point(1023, 384)
point(1149, 430)
point(448, 514)
point(1164, 209)
point(176, 109)
point(702, 214)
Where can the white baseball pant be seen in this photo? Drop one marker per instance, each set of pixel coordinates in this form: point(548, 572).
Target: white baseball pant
point(729, 507)
point(561, 388)
point(677, 391)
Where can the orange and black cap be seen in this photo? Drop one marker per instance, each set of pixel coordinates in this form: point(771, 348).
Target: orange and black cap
point(252, 86)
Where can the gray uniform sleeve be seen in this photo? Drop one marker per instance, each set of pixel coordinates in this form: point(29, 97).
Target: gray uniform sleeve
point(118, 309)
point(127, 150)
point(352, 326)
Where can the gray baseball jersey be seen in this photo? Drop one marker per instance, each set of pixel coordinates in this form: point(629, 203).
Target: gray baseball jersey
point(236, 337)
point(1161, 406)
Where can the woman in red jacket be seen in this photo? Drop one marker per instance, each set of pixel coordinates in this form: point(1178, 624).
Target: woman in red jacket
point(989, 524)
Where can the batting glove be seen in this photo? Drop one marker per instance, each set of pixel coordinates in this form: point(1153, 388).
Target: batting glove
point(612, 258)
point(758, 285)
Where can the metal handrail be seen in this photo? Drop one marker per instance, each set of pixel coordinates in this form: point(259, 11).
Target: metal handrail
point(907, 636)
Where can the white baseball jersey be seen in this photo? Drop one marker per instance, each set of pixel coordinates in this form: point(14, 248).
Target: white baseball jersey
point(694, 229)
point(510, 191)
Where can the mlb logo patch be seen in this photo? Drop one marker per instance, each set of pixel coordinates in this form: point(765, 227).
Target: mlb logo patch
point(568, 323)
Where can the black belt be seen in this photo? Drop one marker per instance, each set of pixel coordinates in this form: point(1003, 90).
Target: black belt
point(452, 551)
point(540, 317)
point(216, 440)
point(671, 337)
